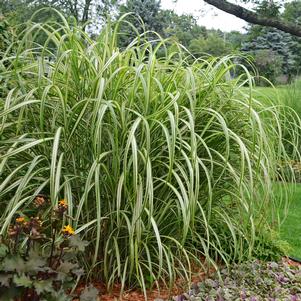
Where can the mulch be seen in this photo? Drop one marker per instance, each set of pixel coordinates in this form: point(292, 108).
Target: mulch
point(291, 261)
point(160, 293)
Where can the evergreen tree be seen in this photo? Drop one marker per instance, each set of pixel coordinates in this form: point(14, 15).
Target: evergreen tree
point(278, 44)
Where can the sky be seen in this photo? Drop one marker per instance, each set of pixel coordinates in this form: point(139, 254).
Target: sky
point(206, 14)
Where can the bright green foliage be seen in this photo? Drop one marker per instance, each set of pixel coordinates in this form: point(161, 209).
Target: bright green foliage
point(162, 162)
point(269, 246)
point(288, 95)
point(291, 96)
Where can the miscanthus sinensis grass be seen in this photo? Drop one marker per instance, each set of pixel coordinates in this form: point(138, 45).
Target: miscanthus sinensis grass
point(164, 160)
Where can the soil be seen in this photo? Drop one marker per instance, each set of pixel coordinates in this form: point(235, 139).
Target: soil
point(161, 293)
point(291, 262)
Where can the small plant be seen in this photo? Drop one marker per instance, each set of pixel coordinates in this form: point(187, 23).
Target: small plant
point(269, 247)
point(252, 281)
point(30, 272)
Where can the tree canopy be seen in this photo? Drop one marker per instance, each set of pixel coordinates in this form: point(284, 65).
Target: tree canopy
point(82, 11)
point(274, 52)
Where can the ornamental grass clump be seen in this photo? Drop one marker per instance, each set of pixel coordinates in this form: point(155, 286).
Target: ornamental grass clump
point(165, 163)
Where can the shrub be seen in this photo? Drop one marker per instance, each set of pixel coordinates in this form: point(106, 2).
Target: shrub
point(162, 162)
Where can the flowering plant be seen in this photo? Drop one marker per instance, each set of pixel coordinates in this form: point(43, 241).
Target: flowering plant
point(38, 258)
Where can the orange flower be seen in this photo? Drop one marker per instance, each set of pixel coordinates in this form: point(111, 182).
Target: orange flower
point(61, 208)
point(68, 230)
point(20, 220)
point(63, 203)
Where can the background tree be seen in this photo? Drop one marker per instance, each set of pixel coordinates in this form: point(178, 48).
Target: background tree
point(82, 11)
point(20, 11)
point(262, 42)
point(276, 44)
point(213, 44)
point(235, 39)
point(258, 16)
point(265, 44)
point(145, 17)
point(292, 12)
point(183, 28)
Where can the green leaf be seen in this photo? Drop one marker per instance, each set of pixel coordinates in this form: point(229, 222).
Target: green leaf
point(58, 296)
point(65, 278)
point(8, 294)
point(78, 272)
point(90, 293)
point(14, 264)
point(22, 280)
point(43, 286)
point(66, 267)
point(35, 262)
point(77, 242)
point(3, 250)
point(5, 280)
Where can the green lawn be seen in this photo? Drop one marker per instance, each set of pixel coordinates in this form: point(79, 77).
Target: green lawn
point(289, 95)
point(291, 228)
point(276, 95)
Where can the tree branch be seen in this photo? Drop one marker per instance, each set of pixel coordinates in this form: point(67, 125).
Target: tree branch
point(254, 18)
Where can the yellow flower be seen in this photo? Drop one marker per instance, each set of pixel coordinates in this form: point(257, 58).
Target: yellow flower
point(63, 203)
point(20, 220)
point(68, 230)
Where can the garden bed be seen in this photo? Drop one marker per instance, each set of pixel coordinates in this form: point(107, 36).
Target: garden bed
point(156, 293)
point(250, 281)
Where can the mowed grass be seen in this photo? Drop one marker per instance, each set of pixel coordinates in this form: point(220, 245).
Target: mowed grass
point(285, 94)
point(291, 228)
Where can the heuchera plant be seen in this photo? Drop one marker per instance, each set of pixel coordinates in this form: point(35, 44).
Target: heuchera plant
point(38, 258)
